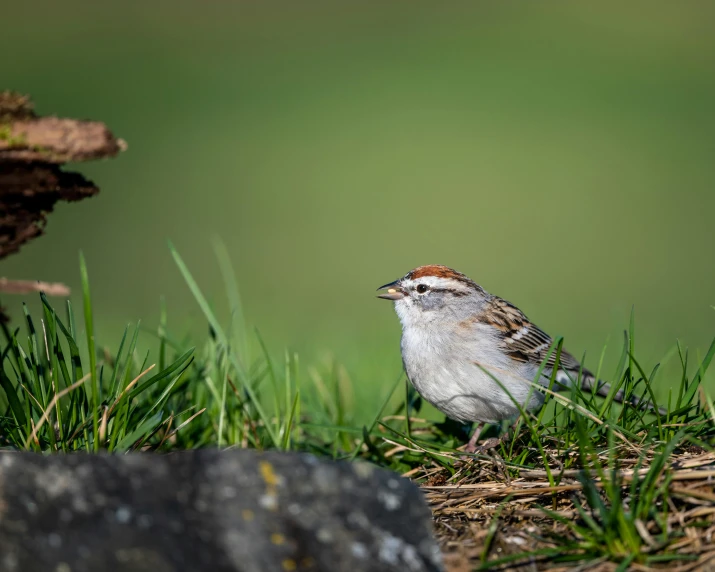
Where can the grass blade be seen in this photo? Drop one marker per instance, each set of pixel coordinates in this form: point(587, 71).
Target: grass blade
point(89, 327)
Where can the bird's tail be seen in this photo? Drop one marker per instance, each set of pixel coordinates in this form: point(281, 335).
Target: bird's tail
point(588, 382)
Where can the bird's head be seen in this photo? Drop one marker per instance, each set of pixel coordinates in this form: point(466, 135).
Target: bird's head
point(430, 293)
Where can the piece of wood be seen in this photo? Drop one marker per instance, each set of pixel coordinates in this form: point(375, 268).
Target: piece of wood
point(32, 150)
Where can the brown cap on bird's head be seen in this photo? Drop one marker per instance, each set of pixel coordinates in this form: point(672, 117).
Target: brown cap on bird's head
point(438, 271)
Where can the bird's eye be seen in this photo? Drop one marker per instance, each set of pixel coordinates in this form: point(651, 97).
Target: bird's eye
point(422, 288)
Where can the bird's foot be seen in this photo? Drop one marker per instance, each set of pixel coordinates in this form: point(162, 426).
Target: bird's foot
point(491, 443)
point(484, 447)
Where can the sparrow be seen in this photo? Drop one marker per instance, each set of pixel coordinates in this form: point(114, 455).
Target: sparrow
point(473, 355)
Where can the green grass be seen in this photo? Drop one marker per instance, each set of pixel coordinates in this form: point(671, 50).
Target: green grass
point(63, 392)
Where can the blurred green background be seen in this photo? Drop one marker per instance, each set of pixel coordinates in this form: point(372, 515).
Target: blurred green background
point(561, 154)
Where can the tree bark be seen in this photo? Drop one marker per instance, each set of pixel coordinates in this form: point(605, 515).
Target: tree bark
point(32, 152)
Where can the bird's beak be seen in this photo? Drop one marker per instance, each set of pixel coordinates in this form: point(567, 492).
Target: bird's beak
point(394, 291)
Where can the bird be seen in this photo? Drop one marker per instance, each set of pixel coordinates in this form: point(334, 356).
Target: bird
point(473, 355)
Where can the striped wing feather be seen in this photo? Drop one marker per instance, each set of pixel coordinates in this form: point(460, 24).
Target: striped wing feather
point(524, 341)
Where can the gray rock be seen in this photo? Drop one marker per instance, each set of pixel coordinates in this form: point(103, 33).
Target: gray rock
point(208, 510)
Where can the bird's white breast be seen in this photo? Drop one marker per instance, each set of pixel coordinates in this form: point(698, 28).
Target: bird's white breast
point(443, 364)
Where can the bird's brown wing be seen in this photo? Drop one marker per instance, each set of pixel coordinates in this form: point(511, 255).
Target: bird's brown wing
point(524, 341)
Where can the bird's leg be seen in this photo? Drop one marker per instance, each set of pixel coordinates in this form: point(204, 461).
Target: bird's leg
point(471, 447)
point(494, 441)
